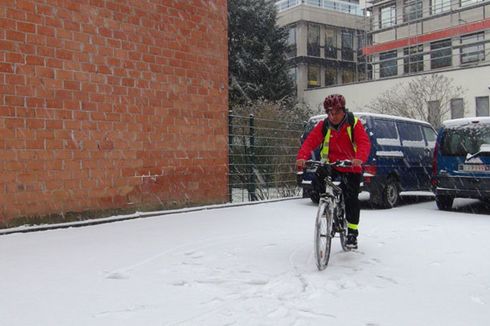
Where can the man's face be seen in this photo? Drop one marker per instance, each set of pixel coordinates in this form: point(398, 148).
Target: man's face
point(335, 115)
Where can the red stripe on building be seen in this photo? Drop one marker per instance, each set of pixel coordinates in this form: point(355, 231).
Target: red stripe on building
point(429, 37)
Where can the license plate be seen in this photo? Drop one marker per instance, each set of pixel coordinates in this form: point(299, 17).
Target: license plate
point(474, 168)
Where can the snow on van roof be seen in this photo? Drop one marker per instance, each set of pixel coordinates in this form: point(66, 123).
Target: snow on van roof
point(371, 114)
point(465, 121)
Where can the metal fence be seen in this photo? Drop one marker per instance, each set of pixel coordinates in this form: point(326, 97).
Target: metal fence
point(262, 156)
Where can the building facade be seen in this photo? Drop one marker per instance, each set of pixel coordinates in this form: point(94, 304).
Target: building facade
point(325, 38)
point(410, 38)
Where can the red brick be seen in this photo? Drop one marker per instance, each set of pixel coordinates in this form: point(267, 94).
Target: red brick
point(107, 81)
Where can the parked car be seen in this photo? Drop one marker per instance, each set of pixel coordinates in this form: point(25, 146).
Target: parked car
point(461, 165)
point(400, 159)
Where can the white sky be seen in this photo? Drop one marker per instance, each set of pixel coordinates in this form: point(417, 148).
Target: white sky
point(252, 265)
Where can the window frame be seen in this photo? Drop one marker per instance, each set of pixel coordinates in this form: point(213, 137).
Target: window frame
point(388, 64)
point(310, 82)
point(312, 46)
point(413, 59)
point(331, 47)
point(467, 43)
point(387, 16)
point(441, 55)
point(412, 10)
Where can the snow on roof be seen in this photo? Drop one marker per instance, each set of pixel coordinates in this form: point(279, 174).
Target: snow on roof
point(465, 121)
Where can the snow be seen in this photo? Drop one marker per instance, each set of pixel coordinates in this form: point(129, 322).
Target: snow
point(252, 265)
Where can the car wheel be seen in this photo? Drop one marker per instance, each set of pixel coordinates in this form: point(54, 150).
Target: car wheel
point(444, 203)
point(315, 196)
point(390, 194)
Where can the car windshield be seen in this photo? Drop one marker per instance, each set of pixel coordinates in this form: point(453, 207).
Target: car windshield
point(461, 141)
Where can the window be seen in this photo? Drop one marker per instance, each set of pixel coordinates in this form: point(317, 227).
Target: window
point(364, 71)
point(433, 108)
point(441, 54)
point(347, 75)
point(473, 48)
point(460, 141)
point(291, 42)
point(413, 59)
point(463, 3)
point(385, 132)
point(438, 6)
point(293, 74)
point(387, 64)
point(457, 108)
point(412, 9)
point(482, 106)
point(313, 46)
point(347, 45)
point(387, 16)
point(330, 75)
point(330, 43)
point(313, 76)
point(430, 136)
point(411, 134)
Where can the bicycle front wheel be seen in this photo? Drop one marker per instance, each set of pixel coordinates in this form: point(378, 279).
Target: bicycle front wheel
point(323, 235)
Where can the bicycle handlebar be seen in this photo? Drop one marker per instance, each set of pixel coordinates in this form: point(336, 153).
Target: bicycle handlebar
point(341, 163)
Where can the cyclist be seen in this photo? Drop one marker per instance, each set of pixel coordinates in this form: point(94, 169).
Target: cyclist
point(342, 137)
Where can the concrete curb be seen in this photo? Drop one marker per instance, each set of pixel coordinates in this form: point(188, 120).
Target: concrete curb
point(118, 218)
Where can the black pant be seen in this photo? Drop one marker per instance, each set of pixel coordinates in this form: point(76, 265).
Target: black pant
point(350, 184)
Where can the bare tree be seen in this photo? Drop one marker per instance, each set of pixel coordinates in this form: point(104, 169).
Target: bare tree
point(425, 98)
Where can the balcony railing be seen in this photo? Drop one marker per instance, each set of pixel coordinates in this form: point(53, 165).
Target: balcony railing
point(335, 5)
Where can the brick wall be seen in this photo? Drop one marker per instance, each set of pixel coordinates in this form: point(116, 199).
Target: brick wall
point(111, 104)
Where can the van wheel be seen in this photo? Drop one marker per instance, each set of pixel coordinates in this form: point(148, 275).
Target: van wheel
point(391, 194)
point(315, 196)
point(444, 203)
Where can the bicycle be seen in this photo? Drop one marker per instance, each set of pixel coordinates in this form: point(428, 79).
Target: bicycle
point(330, 217)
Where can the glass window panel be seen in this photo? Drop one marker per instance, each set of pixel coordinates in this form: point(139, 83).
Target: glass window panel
point(313, 76)
point(441, 54)
point(347, 76)
point(439, 6)
point(473, 49)
point(410, 132)
point(387, 65)
point(412, 9)
point(291, 42)
point(413, 59)
point(347, 45)
point(384, 129)
point(482, 109)
point(330, 75)
point(387, 16)
point(313, 46)
point(330, 43)
point(457, 108)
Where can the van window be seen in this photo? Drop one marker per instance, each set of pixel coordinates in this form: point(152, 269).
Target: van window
point(461, 141)
point(411, 134)
point(385, 132)
point(430, 136)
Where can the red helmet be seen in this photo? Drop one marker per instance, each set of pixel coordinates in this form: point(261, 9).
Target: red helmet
point(334, 101)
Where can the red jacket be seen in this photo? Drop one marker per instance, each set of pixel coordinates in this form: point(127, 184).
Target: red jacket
point(340, 147)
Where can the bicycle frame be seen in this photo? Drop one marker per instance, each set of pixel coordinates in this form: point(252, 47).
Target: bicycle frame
point(330, 217)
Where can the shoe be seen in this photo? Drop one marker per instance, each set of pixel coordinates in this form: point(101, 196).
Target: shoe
point(351, 241)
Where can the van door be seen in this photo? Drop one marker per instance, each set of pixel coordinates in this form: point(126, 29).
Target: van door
point(416, 156)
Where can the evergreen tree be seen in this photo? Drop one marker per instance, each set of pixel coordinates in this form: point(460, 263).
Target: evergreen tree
point(256, 48)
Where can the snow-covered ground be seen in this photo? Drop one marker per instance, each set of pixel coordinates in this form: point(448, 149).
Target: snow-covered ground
point(252, 265)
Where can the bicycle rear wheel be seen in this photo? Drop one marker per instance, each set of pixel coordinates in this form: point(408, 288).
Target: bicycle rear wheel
point(323, 235)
